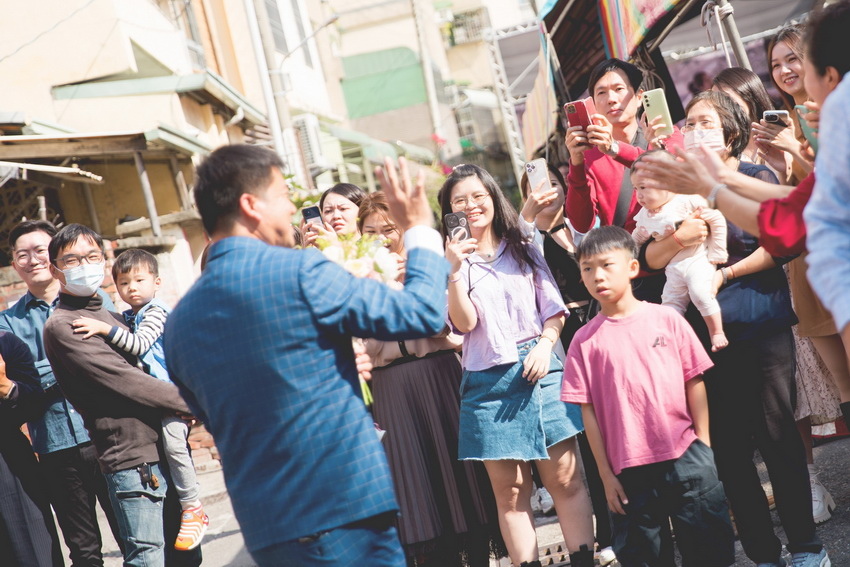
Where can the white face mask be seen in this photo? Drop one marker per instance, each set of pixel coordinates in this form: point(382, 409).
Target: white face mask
point(712, 138)
point(84, 280)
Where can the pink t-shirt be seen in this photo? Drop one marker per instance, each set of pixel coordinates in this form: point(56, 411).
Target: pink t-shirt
point(633, 370)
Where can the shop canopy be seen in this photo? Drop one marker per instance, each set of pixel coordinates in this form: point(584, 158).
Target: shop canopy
point(584, 32)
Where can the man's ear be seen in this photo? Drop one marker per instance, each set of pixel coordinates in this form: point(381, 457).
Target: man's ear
point(248, 207)
point(833, 77)
point(56, 273)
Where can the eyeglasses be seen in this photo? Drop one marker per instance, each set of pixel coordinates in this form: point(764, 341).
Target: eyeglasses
point(474, 200)
point(74, 260)
point(24, 257)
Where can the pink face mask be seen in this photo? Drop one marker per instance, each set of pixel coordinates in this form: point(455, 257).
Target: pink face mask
point(712, 138)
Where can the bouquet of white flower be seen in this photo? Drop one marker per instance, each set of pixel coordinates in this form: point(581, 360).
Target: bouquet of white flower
point(363, 257)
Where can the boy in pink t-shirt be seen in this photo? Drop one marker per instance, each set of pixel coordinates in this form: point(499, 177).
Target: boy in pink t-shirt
point(636, 371)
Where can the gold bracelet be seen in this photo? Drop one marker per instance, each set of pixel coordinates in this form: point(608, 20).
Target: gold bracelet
point(542, 336)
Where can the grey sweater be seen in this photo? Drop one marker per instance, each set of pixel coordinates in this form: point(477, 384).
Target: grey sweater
point(122, 407)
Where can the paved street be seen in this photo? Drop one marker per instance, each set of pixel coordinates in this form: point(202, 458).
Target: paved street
point(224, 547)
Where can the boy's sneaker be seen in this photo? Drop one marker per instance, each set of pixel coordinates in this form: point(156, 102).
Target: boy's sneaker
point(193, 526)
point(606, 556)
point(547, 505)
point(806, 559)
point(822, 502)
point(782, 563)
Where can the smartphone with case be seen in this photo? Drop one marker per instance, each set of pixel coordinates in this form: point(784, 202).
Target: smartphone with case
point(538, 173)
point(312, 215)
point(810, 133)
point(457, 224)
point(778, 117)
point(654, 105)
point(579, 112)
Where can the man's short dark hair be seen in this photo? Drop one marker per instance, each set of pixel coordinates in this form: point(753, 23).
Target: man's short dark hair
point(604, 239)
point(29, 226)
point(68, 236)
point(133, 259)
point(225, 175)
point(632, 73)
point(826, 38)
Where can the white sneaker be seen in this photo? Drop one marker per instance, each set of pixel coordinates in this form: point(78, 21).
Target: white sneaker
point(547, 505)
point(606, 556)
point(822, 503)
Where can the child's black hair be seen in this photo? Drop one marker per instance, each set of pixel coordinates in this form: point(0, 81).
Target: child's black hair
point(134, 258)
point(604, 239)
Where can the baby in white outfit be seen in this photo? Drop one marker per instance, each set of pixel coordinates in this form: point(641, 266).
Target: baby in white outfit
point(691, 271)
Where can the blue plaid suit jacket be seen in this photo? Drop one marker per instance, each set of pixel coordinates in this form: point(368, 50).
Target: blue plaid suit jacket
point(261, 350)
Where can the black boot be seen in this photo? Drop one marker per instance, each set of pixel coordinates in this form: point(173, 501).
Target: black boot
point(531, 564)
point(845, 411)
point(582, 558)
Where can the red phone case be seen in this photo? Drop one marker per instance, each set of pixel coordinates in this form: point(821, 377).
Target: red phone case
point(579, 112)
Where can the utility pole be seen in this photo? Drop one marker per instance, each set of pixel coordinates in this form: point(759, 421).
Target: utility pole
point(280, 118)
point(265, 79)
point(428, 76)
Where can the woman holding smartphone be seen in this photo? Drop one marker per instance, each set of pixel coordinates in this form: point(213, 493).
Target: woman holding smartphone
point(785, 57)
point(338, 206)
point(504, 301)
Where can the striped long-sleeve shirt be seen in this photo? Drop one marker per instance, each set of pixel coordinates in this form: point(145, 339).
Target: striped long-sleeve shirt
point(144, 336)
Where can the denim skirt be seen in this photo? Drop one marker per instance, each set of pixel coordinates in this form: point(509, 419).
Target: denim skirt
point(503, 416)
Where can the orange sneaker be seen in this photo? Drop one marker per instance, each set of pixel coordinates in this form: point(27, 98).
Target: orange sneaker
point(193, 526)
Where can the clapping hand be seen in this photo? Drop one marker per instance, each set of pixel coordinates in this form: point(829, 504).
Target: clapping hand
point(407, 202)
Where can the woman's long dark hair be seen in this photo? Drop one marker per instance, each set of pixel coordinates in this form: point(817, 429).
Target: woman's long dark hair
point(505, 218)
point(748, 86)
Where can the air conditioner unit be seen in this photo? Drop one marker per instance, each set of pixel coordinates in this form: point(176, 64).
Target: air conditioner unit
point(310, 138)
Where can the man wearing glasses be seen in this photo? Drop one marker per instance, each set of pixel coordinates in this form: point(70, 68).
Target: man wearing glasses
point(122, 407)
point(67, 458)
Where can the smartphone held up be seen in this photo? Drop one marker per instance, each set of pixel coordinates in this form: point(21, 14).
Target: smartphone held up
point(655, 105)
point(538, 176)
point(579, 112)
point(779, 118)
point(312, 215)
point(457, 226)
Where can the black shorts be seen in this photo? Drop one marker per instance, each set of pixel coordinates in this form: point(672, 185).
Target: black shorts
point(688, 492)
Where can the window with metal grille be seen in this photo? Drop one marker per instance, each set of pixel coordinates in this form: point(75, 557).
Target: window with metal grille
point(469, 26)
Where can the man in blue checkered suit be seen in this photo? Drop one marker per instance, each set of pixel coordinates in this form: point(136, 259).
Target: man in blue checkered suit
point(261, 349)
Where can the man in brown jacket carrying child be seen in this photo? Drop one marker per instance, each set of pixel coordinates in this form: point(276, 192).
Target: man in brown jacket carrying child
point(121, 405)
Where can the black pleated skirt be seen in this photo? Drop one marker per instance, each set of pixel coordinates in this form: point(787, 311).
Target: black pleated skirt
point(447, 506)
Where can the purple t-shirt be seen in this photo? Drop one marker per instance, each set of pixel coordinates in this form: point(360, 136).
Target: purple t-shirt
point(511, 305)
point(633, 370)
